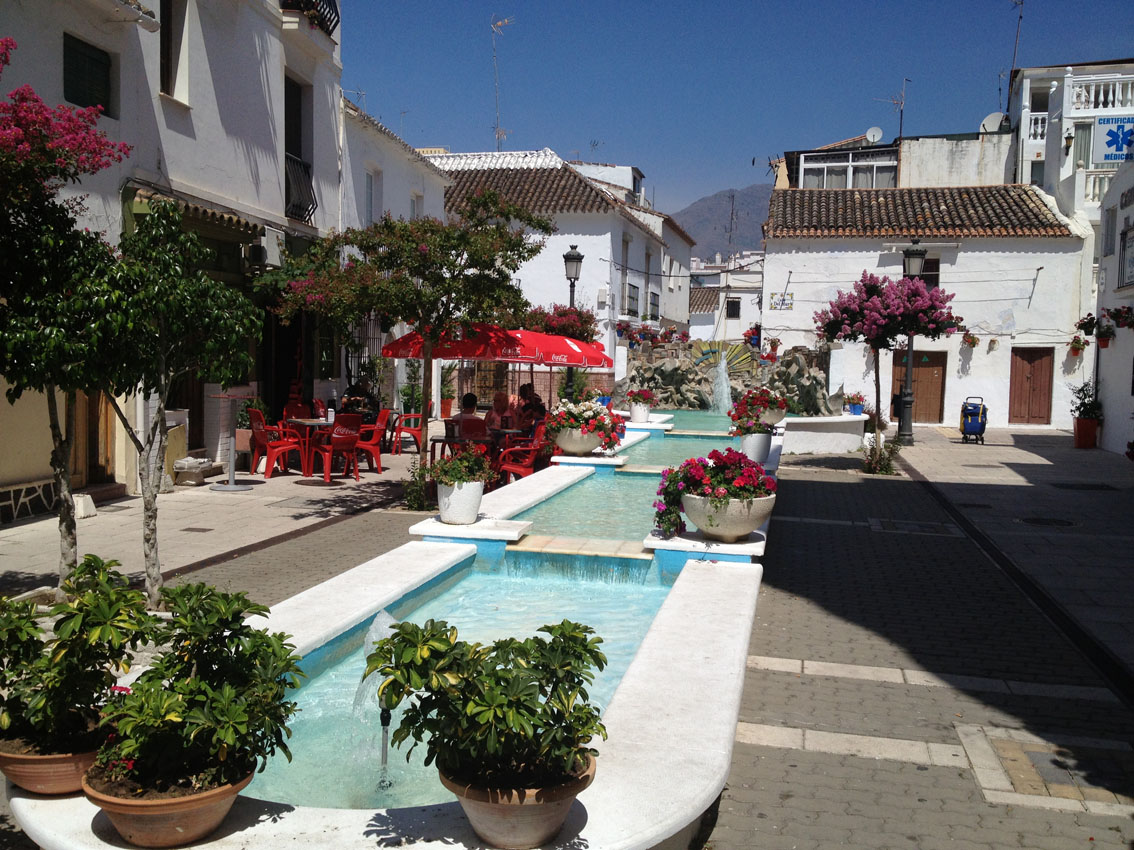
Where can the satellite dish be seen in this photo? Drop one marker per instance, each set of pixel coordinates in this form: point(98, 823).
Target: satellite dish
point(991, 123)
point(873, 135)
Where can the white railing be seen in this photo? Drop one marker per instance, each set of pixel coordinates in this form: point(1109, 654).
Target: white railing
point(1096, 184)
point(1037, 128)
point(1092, 94)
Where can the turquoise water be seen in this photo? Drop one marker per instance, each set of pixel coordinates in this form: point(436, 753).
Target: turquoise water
point(601, 507)
point(672, 450)
point(336, 747)
point(699, 420)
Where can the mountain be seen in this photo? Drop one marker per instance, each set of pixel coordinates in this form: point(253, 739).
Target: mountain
point(707, 220)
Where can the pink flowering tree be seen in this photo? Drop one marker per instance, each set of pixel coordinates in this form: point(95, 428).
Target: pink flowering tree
point(436, 275)
point(880, 312)
point(57, 328)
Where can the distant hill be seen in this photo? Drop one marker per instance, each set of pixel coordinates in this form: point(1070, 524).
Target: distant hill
point(707, 221)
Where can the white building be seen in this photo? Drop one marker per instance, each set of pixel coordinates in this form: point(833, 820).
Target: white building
point(1063, 117)
point(1116, 291)
point(1016, 265)
point(734, 303)
point(623, 249)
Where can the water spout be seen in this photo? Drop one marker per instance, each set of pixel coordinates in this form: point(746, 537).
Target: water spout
point(384, 782)
point(366, 700)
point(722, 387)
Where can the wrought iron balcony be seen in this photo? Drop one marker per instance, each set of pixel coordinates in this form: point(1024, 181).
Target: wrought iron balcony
point(323, 13)
point(299, 194)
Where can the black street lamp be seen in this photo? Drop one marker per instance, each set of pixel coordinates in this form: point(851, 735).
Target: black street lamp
point(913, 261)
point(572, 264)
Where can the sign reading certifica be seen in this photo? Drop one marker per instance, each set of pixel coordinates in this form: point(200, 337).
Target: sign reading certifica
point(1114, 140)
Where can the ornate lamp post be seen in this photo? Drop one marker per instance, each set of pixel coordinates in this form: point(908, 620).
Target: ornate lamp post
point(913, 261)
point(572, 264)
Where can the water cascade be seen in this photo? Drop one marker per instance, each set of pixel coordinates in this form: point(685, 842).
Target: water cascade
point(366, 695)
point(722, 387)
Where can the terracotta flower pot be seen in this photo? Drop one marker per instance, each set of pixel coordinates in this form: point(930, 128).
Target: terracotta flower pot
point(1086, 432)
point(58, 773)
point(575, 442)
point(1103, 341)
point(1075, 352)
point(730, 522)
point(519, 819)
point(170, 822)
point(446, 408)
point(459, 504)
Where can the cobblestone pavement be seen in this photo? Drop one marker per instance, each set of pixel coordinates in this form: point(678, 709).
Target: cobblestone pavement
point(902, 690)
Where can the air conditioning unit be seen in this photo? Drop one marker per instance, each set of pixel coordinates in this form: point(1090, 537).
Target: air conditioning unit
point(265, 254)
point(601, 296)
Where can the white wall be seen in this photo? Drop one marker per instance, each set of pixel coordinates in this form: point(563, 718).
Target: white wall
point(1001, 293)
point(676, 260)
point(983, 161)
point(1115, 364)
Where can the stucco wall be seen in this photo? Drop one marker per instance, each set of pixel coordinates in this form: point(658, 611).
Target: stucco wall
point(984, 161)
point(1115, 364)
point(1001, 292)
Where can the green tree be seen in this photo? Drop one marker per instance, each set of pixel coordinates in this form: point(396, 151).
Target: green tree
point(436, 275)
point(178, 322)
point(57, 323)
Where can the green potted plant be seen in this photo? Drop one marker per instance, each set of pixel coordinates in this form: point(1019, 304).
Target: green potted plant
point(507, 725)
point(727, 496)
point(1088, 413)
point(579, 429)
point(448, 389)
point(52, 690)
point(1087, 324)
point(186, 738)
point(1077, 345)
point(855, 402)
point(640, 403)
point(1104, 333)
point(460, 478)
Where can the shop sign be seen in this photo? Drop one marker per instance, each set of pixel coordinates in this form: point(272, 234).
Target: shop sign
point(1114, 140)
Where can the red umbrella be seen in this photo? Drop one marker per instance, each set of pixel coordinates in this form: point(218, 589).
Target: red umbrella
point(565, 351)
point(489, 342)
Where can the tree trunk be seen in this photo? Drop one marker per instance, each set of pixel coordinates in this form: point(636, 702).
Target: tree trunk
point(877, 399)
point(151, 468)
point(426, 393)
point(61, 470)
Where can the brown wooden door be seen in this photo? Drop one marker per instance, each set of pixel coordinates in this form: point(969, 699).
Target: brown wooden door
point(1029, 388)
point(928, 385)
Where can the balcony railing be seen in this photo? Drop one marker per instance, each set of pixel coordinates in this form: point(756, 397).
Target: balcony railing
point(1096, 183)
point(1094, 94)
point(299, 194)
point(1037, 128)
point(323, 13)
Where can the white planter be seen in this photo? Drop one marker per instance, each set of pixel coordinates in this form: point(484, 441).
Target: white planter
point(756, 447)
point(773, 416)
point(730, 522)
point(459, 504)
point(639, 412)
point(577, 443)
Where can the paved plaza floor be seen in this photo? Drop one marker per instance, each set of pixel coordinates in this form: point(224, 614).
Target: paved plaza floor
point(939, 658)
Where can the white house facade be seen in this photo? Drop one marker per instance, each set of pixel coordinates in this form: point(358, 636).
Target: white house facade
point(1115, 363)
point(1017, 267)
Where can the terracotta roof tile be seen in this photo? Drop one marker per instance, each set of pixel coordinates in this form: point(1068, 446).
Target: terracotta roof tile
point(543, 191)
point(704, 299)
point(944, 213)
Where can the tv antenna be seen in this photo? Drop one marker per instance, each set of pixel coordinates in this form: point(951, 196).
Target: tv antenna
point(594, 144)
point(1019, 4)
point(361, 95)
point(899, 101)
point(498, 29)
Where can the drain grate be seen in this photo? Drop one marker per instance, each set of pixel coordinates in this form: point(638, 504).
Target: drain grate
point(1047, 521)
point(901, 526)
point(198, 530)
point(1072, 485)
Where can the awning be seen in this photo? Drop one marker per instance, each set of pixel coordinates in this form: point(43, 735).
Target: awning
point(490, 342)
point(198, 211)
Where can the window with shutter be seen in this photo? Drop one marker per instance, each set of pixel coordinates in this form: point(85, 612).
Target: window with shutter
point(86, 75)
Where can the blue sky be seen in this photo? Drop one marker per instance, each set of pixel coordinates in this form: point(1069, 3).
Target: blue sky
point(691, 92)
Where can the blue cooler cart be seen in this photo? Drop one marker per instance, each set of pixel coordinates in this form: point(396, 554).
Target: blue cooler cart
point(974, 419)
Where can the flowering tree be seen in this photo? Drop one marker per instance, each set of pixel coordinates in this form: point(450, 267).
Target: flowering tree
point(561, 320)
point(437, 275)
point(879, 312)
point(55, 326)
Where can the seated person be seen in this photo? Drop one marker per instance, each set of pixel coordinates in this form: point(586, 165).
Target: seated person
point(501, 415)
point(538, 414)
point(468, 423)
point(528, 399)
point(359, 398)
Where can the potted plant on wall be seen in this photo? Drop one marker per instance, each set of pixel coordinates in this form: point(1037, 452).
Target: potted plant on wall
point(508, 725)
point(579, 429)
point(52, 690)
point(1088, 413)
point(727, 496)
point(1077, 345)
point(460, 479)
point(1104, 334)
point(752, 336)
point(640, 403)
point(188, 735)
point(970, 340)
point(855, 403)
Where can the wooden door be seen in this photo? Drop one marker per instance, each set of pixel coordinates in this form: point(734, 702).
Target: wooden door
point(928, 385)
point(1029, 388)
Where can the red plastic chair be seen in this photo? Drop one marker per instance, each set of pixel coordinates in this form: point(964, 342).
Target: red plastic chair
point(470, 427)
point(370, 440)
point(520, 460)
point(320, 408)
point(409, 425)
point(343, 441)
point(275, 450)
point(295, 410)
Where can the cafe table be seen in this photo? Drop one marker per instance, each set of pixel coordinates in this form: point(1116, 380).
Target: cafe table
point(231, 486)
point(311, 428)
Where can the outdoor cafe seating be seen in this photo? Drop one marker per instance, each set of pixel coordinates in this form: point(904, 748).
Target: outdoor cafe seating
point(342, 441)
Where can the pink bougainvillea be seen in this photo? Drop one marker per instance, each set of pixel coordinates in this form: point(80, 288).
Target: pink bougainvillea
point(879, 311)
